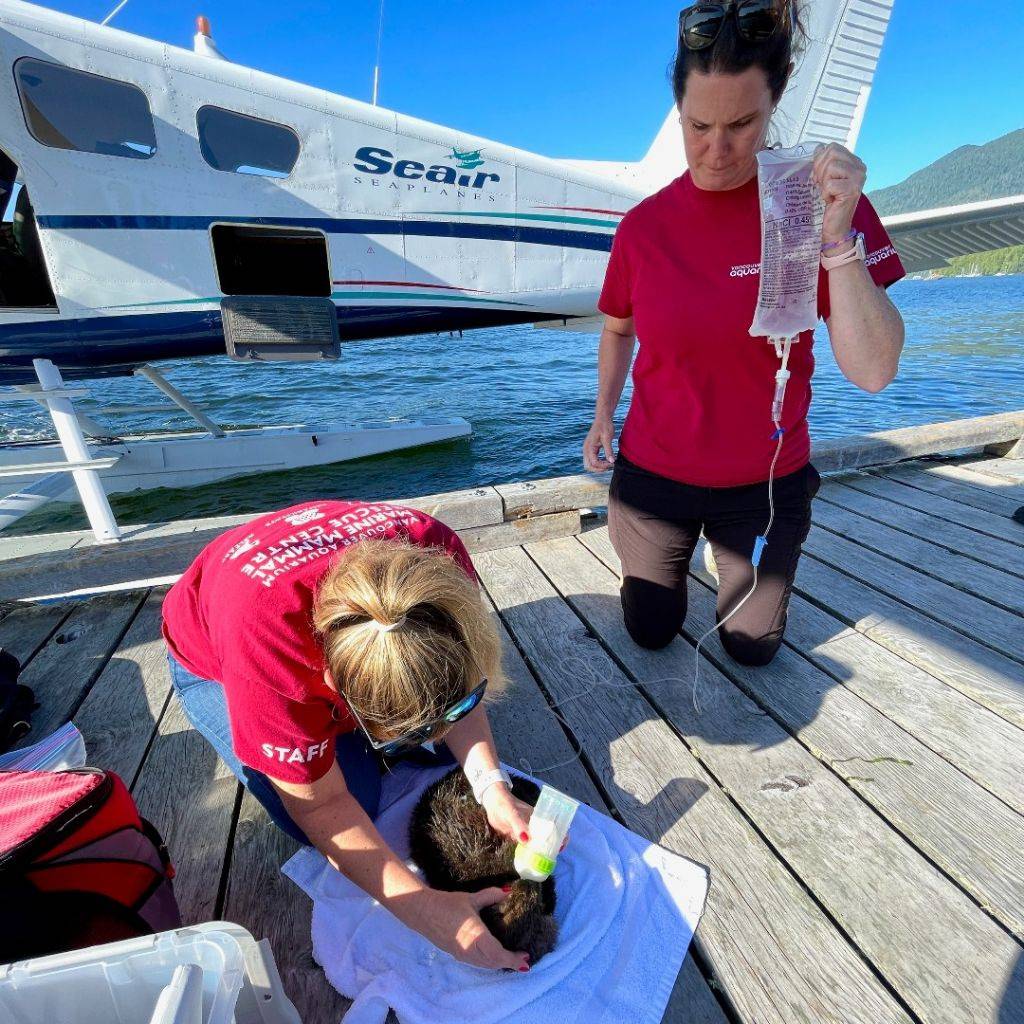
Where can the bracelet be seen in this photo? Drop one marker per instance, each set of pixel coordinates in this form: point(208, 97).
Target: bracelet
point(846, 238)
point(482, 781)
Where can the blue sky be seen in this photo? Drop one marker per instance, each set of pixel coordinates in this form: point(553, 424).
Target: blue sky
point(581, 78)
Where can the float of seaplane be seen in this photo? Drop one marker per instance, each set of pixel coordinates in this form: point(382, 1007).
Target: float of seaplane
point(159, 203)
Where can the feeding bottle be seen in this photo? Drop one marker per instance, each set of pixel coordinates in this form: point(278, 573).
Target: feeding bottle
point(549, 825)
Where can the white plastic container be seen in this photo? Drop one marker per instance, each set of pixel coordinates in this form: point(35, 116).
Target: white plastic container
point(125, 982)
point(549, 825)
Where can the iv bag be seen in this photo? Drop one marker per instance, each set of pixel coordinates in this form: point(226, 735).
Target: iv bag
point(791, 214)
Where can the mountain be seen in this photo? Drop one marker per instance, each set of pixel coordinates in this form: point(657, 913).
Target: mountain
point(968, 174)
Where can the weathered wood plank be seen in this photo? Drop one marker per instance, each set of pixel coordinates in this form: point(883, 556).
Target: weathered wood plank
point(913, 442)
point(461, 510)
point(988, 677)
point(773, 952)
point(189, 794)
point(559, 494)
point(981, 744)
point(1006, 469)
point(591, 490)
point(974, 617)
point(504, 535)
point(121, 712)
point(262, 900)
point(530, 738)
point(31, 544)
point(972, 835)
point(62, 672)
point(101, 564)
point(25, 628)
point(992, 539)
point(953, 482)
point(852, 515)
point(923, 934)
point(527, 734)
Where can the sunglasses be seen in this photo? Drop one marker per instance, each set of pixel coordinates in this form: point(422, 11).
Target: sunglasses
point(756, 21)
point(416, 737)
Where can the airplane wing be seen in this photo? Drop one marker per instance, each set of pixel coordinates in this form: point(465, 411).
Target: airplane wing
point(930, 238)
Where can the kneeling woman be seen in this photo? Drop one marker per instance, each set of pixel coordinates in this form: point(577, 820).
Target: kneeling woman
point(313, 643)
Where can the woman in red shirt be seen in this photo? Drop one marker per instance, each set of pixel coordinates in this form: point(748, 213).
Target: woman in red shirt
point(697, 443)
point(311, 645)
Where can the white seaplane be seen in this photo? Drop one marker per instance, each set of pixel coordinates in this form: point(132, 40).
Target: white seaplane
point(162, 203)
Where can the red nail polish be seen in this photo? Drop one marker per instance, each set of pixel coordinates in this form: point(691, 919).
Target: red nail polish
point(506, 888)
point(524, 836)
point(523, 969)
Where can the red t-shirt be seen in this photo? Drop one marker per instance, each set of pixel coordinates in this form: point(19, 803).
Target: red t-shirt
point(243, 615)
point(685, 264)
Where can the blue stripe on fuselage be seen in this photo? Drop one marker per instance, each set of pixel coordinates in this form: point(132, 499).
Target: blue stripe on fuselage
point(334, 226)
point(104, 345)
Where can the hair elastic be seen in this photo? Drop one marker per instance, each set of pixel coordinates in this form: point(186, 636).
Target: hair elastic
point(386, 627)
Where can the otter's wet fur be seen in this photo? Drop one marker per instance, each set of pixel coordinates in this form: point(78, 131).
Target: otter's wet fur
point(457, 850)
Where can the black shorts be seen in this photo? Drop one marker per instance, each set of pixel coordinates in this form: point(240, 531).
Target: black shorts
point(654, 525)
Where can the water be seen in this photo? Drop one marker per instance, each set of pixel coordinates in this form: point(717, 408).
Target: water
point(529, 394)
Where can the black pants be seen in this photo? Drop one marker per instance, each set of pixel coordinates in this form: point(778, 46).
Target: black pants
point(654, 525)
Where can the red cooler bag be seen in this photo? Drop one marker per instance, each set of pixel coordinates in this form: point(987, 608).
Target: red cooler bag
point(78, 865)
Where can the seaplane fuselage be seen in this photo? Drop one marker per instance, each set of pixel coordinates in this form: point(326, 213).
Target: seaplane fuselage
point(157, 182)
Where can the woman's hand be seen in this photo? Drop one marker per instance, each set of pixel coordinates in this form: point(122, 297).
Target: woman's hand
point(601, 435)
point(451, 921)
point(840, 176)
point(507, 816)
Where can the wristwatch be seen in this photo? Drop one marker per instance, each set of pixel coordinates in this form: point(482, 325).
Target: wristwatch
point(480, 782)
point(856, 253)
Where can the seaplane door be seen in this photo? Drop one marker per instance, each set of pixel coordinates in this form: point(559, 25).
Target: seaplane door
point(24, 279)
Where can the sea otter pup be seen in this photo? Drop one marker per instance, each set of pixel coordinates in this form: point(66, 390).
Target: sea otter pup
point(457, 850)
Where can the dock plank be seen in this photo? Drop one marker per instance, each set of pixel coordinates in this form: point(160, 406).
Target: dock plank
point(841, 511)
point(189, 794)
point(26, 628)
point(262, 900)
point(976, 740)
point(854, 865)
point(974, 837)
point(772, 950)
point(989, 538)
point(64, 669)
point(972, 616)
point(120, 715)
point(986, 676)
point(1005, 468)
point(954, 482)
point(529, 738)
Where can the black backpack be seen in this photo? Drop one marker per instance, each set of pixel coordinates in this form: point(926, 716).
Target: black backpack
point(17, 702)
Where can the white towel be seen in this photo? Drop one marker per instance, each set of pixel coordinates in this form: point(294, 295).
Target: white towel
point(626, 910)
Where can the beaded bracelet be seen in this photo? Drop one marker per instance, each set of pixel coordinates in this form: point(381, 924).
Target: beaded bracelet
point(845, 238)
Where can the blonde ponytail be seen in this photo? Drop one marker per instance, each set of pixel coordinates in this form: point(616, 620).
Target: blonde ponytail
point(404, 633)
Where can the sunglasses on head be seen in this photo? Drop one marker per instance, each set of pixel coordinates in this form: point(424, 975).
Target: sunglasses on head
point(416, 737)
point(756, 21)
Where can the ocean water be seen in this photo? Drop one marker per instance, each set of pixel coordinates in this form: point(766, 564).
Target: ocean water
point(529, 395)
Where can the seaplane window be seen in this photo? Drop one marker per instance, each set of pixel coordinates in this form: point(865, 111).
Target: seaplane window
point(69, 109)
point(246, 145)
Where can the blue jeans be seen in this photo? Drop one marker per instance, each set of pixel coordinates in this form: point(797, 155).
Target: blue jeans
point(205, 706)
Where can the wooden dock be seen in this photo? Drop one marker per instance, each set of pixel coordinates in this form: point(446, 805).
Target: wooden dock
point(859, 802)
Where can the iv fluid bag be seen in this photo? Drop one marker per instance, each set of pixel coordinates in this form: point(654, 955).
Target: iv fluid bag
point(791, 214)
